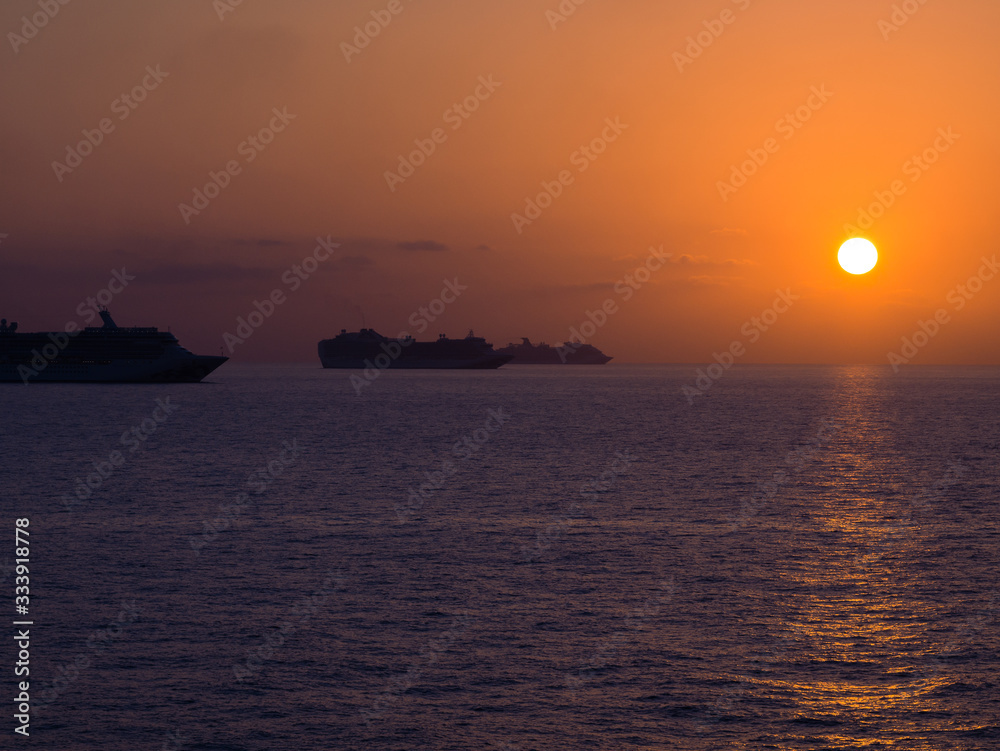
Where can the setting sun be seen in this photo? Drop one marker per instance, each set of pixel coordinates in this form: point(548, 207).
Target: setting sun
point(857, 256)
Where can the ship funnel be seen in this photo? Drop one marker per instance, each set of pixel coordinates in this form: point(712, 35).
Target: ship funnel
point(108, 321)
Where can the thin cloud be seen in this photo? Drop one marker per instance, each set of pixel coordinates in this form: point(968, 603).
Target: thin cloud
point(265, 243)
point(690, 260)
point(422, 245)
point(575, 288)
point(707, 280)
point(222, 272)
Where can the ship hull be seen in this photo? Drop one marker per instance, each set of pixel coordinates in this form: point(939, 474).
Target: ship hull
point(164, 370)
point(368, 349)
point(414, 363)
point(529, 360)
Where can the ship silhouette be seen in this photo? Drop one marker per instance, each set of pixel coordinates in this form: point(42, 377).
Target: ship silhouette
point(527, 353)
point(100, 354)
point(369, 349)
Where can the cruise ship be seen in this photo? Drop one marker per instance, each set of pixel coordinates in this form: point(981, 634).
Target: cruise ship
point(100, 354)
point(527, 353)
point(369, 349)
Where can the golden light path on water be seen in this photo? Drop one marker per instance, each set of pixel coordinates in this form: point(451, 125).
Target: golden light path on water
point(861, 623)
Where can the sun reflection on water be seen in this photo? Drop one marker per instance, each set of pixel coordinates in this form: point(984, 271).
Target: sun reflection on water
point(863, 631)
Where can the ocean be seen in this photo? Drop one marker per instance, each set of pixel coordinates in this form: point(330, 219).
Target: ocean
point(531, 558)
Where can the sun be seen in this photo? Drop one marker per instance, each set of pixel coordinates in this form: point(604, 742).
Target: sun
point(857, 256)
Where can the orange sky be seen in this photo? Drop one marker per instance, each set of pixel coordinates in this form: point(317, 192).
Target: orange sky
point(552, 86)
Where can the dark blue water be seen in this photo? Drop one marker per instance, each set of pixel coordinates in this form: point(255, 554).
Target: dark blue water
point(532, 558)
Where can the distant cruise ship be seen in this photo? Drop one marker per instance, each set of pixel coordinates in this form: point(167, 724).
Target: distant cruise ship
point(369, 349)
point(100, 354)
point(527, 353)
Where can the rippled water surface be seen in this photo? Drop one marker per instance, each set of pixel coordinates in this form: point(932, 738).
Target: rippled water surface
point(531, 558)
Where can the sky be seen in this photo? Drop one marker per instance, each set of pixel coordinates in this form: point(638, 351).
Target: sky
point(668, 179)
